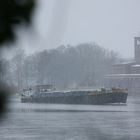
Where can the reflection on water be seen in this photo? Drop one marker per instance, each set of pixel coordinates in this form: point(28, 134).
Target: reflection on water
point(71, 122)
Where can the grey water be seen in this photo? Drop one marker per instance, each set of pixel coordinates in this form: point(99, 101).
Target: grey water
point(28, 121)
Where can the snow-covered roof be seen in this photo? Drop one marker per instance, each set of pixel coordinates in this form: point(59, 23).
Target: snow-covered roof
point(126, 61)
point(136, 65)
point(122, 75)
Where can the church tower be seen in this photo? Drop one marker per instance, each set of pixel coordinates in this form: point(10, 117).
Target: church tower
point(137, 49)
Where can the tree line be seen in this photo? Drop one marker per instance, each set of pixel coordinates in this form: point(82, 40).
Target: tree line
point(83, 65)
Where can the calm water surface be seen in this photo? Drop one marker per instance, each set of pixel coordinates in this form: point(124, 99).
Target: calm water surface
point(27, 121)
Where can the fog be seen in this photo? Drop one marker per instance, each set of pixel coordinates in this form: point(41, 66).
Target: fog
point(111, 23)
point(72, 60)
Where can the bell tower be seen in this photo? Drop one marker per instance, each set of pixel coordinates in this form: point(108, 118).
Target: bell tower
point(137, 49)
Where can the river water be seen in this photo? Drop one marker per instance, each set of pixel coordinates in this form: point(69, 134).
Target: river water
point(28, 121)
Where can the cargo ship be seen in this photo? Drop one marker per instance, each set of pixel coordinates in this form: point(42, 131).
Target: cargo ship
point(47, 94)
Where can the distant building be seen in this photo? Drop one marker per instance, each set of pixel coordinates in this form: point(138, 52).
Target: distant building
point(127, 73)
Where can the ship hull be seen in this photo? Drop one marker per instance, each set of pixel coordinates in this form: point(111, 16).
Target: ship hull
point(95, 99)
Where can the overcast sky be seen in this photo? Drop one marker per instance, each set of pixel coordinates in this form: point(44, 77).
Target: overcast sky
point(110, 23)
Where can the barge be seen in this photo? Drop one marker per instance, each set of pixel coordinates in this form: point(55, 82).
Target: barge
point(46, 94)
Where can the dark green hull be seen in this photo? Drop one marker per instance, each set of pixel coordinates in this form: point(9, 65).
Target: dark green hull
point(95, 99)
